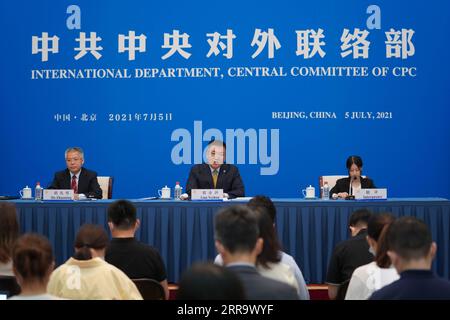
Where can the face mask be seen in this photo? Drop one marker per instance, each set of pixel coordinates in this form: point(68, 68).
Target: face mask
point(372, 251)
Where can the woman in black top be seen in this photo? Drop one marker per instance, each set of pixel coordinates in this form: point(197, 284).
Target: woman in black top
point(342, 188)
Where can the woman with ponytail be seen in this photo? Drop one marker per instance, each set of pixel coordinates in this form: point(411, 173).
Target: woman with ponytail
point(368, 278)
point(87, 275)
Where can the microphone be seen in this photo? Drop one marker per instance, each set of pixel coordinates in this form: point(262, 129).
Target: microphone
point(350, 188)
point(354, 178)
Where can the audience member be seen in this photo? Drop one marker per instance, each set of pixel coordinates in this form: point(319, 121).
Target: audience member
point(87, 276)
point(411, 250)
point(238, 242)
point(33, 262)
point(207, 281)
point(379, 273)
point(349, 255)
point(136, 259)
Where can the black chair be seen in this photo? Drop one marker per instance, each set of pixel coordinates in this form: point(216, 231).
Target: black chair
point(150, 289)
point(9, 285)
point(342, 290)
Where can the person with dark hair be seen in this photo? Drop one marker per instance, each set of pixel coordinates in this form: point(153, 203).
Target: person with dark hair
point(349, 255)
point(358, 221)
point(268, 262)
point(33, 262)
point(82, 181)
point(379, 273)
point(216, 174)
point(265, 202)
point(9, 232)
point(349, 186)
point(411, 250)
point(87, 276)
point(136, 259)
point(207, 281)
point(259, 204)
point(239, 243)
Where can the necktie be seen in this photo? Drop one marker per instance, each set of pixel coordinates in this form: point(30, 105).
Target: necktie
point(215, 175)
point(74, 184)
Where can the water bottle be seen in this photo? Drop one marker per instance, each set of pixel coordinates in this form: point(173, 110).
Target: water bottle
point(38, 191)
point(178, 191)
point(326, 191)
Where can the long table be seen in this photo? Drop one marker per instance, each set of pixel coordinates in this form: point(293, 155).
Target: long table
point(183, 231)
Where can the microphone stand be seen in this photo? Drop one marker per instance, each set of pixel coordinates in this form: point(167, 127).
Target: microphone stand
point(350, 190)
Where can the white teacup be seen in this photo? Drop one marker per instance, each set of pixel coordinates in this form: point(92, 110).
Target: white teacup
point(309, 192)
point(164, 193)
point(25, 193)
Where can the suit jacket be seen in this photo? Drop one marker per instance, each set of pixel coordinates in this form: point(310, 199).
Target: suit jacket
point(87, 182)
point(229, 179)
point(343, 185)
point(258, 287)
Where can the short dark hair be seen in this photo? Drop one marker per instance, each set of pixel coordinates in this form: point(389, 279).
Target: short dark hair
point(89, 236)
point(236, 229)
point(410, 238)
point(217, 142)
point(264, 202)
point(360, 216)
point(376, 224)
point(32, 257)
point(207, 281)
point(9, 230)
point(122, 213)
point(354, 160)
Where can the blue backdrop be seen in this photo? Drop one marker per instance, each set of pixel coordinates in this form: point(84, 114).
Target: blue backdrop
point(405, 149)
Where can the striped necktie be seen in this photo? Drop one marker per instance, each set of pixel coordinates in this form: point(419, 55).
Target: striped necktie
point(74, 184)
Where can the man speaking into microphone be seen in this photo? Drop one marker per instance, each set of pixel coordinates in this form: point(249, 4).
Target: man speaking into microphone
point(216, 174)
point(347, 187)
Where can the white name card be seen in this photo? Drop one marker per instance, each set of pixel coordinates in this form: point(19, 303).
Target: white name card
point(371, 194)
point(207, 194)
point(57, 194)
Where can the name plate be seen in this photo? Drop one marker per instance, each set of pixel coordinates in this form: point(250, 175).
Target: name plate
point(56, 194)
point(207, 194)
point(371, 194)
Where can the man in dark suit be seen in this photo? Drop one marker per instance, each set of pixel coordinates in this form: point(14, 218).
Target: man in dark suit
point(238, 242)
point(83, 181)
point(216, 174)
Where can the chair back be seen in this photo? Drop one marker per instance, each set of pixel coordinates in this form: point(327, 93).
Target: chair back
point(9, 285)
point(342, 290)
point(150, 289)
point(106, 184)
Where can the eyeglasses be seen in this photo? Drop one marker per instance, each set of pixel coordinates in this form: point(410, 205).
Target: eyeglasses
point(219, 154)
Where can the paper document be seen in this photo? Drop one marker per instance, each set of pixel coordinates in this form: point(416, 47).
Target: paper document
point(241, 199)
